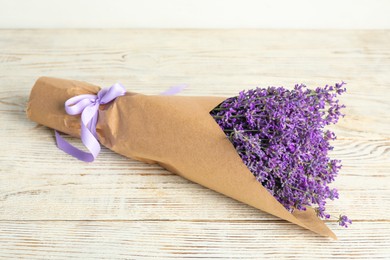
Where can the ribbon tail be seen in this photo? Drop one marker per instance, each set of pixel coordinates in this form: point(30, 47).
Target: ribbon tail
point(92, 125)
point(63, 145)
point(173, 90)
point(89, 141)
point(88, 122)
point(89, 119)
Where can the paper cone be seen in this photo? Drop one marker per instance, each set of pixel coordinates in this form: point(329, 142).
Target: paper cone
point(175, 132)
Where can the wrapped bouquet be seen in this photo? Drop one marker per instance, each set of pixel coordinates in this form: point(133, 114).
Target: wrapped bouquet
point(266, 147)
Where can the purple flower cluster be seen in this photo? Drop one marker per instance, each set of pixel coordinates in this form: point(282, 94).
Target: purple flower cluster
point(280, 136)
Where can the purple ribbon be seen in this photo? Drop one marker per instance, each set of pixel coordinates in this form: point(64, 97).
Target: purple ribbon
point(173, 90)
point(88, 106)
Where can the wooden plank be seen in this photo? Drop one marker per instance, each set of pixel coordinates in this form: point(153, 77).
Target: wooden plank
point(187, 239)
point(204, 59)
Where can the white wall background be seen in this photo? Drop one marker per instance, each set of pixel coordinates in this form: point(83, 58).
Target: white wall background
point(340, 14)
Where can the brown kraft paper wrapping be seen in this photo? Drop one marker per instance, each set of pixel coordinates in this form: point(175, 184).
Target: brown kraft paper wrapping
point(175, 132)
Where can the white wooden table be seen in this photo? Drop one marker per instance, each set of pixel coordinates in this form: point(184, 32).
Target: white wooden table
point(53, 206)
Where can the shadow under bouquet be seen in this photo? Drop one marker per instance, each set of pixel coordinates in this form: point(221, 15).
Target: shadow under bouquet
point(266, 147)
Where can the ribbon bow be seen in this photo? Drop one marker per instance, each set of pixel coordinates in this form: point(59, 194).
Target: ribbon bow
point(88, 105)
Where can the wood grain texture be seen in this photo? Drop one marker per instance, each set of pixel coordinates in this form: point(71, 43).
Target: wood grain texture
point(52, 206)
point(186, 239)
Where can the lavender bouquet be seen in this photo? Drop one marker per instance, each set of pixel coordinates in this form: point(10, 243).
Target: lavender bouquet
point(267, 148)
point(280, 136)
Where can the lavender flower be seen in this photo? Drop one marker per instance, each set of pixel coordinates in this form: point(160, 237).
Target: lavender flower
point(279, 134)
point(344, 221)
